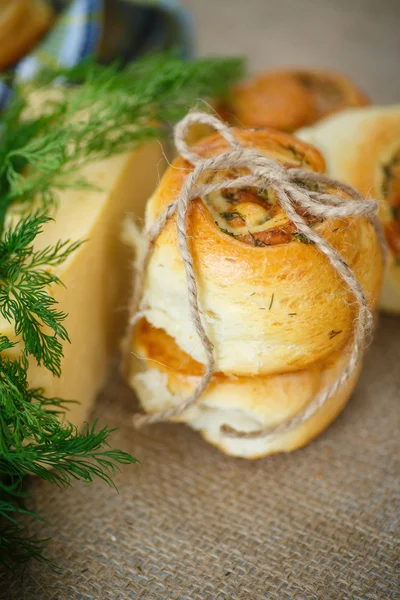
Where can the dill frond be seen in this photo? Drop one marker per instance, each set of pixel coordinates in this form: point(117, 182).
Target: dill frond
point(97, 112)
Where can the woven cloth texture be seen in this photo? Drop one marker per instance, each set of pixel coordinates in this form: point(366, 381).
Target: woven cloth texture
point(190, 523)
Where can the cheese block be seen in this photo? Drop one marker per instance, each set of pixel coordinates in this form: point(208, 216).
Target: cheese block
point(95, 276)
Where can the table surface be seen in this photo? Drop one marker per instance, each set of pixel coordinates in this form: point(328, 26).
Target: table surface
point(358, 37)
point(322, 523)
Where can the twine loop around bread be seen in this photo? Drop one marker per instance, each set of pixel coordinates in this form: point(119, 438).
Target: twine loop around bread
point(293, 189)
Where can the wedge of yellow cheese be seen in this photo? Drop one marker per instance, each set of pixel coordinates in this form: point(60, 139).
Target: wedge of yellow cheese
point(97, 275)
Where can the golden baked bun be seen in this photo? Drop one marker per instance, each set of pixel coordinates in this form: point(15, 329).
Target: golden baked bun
point(270, 301)
point(22, 24)
point(290, 98)
point(245, 403)
point(362, 147)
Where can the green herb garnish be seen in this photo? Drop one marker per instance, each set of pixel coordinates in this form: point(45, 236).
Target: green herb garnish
point(272, 301)
point(334, 333)
point(227, 232)
point(257, 243)
point(300, 237)
point(264, 195)
point(229, 216)
point(296, 154)
point(387, 170)
point(101, 112)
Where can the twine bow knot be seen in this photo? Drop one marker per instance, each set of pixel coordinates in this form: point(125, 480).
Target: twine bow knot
point(292, 188)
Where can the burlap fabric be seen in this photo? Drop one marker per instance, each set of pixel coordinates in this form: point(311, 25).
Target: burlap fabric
point(190, 523)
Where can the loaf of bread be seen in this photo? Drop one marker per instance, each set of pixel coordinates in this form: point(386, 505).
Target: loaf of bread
point(241, 323)
point(287, 99)
point(269, 299)
point(362, 147)
point(167, 375)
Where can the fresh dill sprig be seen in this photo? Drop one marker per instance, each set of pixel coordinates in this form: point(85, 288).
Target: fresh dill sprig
point(105, 113)
point(17, 546)
point(97, 112)
point(25, 275)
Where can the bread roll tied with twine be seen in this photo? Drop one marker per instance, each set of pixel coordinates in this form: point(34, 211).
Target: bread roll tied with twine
point(362, 147)
point(289, 288)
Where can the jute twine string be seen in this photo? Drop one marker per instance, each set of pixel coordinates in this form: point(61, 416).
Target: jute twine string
point(290, 186)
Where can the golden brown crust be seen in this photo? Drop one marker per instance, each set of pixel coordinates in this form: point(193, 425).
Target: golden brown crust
point(294, 440)
point(262, 399)
point(22, 24)
point(330, 91)
point(251, 216)
point(275, 308)
point(271, 100)
point(283, 147)
point(289, 99)
point(156, 345)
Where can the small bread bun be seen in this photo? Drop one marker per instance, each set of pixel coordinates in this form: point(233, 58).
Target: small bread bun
point(271, 302)
point(22, 24)
point(245, 403)
point(290, 98)
point(362, 147)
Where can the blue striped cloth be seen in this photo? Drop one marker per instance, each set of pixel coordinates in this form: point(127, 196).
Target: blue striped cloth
point(111, 29)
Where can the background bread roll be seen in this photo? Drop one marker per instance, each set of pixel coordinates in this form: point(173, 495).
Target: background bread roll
point(290, 98)
point(245, 403)
point(22, 24)
point(362, 147)
point(270, 301)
